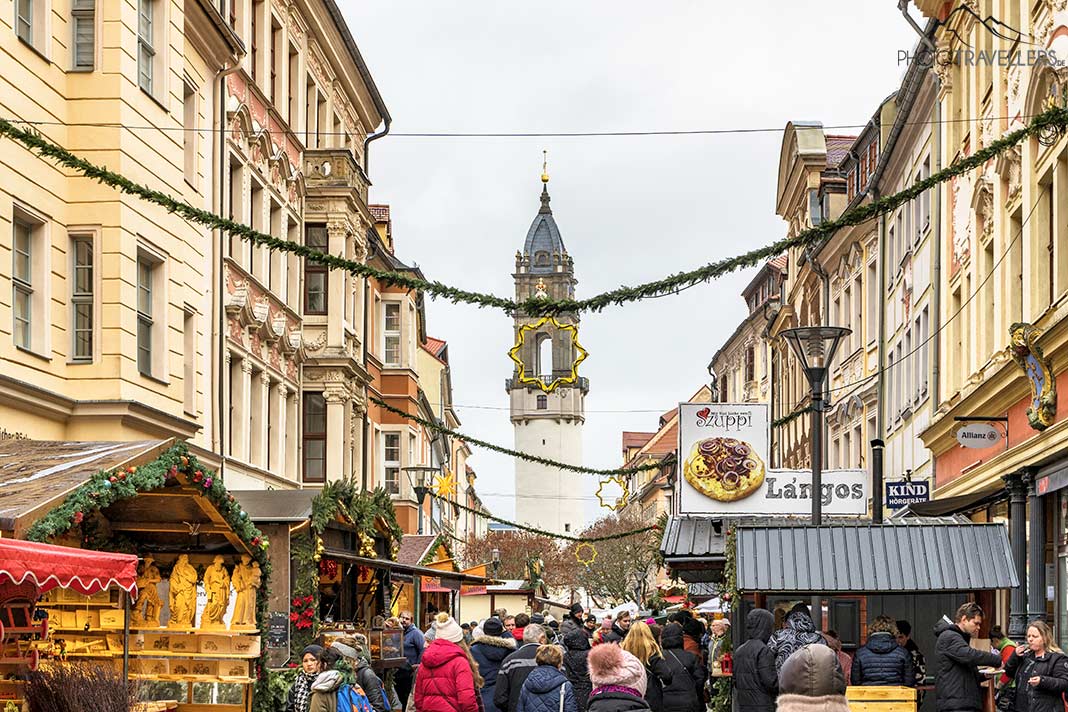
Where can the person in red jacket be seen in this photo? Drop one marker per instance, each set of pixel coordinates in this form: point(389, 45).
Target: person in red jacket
point(448, 678)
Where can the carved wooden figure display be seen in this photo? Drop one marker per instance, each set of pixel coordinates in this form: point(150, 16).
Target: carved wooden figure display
point(146, 612)
point(244, 596)
point(183, 594)
point(217, 587)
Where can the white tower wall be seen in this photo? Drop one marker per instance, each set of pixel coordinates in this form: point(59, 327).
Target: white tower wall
point(547, 497)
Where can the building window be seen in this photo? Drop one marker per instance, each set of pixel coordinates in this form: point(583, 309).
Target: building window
point(189, 357)
point(81, 298)
point(315, 274)
point(144, 315)
point(391, 462)
point(146, 45)
point(723, 388)
point(189, 131)
point(750, 364)
point(391, 350)
point(294, 87)
point(24, 20)
point(815, 215)
point(314, 437)
point(276, 62)
point(254, 55)
point(543, 402)
point(83, 35)
point(22, 271)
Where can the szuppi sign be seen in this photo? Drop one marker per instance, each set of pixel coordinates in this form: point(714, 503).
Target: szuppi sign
point(978, 435)
point(723, 459)
point(901, 494)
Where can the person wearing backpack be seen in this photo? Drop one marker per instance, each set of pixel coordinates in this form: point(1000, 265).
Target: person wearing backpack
point(447, 679)
point(355, 654)
point(331, 692)
point(546, 689)
point(1040, 671)
point(685, 691)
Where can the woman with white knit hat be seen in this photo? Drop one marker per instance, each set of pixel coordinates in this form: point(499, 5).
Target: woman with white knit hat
point(447, 679)
point(618, 680)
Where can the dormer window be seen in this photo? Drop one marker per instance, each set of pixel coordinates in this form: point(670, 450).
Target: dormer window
point(541, 259)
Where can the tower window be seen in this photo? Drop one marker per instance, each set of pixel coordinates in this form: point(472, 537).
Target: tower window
point(541, 258)
point(543, 402)
point(545, 356)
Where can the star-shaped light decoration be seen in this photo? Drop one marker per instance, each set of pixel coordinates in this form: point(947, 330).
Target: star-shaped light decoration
point(590, 555)
point(605, 498)
point(445, 485)
point(580, 355)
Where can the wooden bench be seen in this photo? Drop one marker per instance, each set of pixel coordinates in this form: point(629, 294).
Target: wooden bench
point(881, 699)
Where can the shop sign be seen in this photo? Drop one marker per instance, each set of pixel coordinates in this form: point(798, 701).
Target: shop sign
point(978, 435)
point(724, 456)
point(466, 590)
point(902, 494)
point(436, 584)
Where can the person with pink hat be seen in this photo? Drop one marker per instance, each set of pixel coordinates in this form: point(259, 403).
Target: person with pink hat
point(618, 681)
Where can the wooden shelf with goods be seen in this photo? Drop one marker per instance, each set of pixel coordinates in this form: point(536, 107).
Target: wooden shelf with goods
point(191, 631)
point(191, 656)
point(194, 678)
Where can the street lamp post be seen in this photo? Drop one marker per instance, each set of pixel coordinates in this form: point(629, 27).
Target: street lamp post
point(496, 561)
point(419, 477)
point(815, 347)
point(667, 467)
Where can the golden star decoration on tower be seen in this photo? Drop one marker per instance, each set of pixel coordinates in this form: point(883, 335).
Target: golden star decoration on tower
point(568, 380)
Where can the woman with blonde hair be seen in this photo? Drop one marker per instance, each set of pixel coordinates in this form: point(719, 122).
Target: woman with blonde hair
point(641, 644)
point(1040, 670)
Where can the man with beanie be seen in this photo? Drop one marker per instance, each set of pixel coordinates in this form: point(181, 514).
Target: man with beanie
point(618, 680)
point(489, 650)
point(572, 620)
point(515, 668)
point(812, 681)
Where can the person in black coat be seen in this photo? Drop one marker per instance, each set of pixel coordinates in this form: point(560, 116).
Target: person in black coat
point(956, 663)
point(576, 651)
point(489, 650)
point(685, 692)
point(881, 661)
point(756, 683)
point(641, 644)
point(1040, 672)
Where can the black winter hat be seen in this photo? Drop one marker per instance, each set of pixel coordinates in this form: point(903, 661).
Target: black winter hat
point(493, 628)
point(576, 609)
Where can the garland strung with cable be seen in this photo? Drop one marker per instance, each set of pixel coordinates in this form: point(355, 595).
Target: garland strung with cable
point(535, 530)
point(1048, 124)
point(437, 427)
point(790, 417)
point(176, 465)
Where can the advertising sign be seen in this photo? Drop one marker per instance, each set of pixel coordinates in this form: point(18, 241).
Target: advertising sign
point(978, 435)
point(901, 494)
point(723, 458)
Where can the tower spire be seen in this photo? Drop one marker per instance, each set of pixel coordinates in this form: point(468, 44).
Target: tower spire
point(545, 209)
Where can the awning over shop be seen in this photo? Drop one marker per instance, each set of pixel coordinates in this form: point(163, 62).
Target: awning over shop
point(49, 566)
point(277, 506)
point(447, 578)
point(902, 557)
point(948, 506)
point(694, 547)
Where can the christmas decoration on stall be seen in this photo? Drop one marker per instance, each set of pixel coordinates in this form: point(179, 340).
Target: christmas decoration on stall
point(1047, 126)
point(302, 615)
point(605, 499)
point(521, 337)
point(586, 554)
point(176, 466)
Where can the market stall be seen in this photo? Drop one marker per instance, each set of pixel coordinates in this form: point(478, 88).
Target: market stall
point(29, 571)
point(915, 569)
point(192, 634)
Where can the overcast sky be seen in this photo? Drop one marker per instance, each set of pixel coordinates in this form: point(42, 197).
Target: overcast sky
point(630, 209)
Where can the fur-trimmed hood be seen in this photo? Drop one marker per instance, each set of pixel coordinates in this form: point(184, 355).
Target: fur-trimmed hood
point(494, 641)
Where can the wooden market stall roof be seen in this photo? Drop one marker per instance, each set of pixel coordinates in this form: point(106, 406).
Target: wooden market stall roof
point(35, 475)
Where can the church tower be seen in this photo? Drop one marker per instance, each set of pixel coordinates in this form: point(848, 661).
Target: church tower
point(547, 424)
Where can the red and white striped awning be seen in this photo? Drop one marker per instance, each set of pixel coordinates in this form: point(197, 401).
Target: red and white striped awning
point(49, 566)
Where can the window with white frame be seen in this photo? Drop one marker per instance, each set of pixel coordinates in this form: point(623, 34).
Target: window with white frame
point(83, 35)
point(29, 272)
point(314, 437)
point(82, 298)
point(151, 315)
point(189, 360)
point(146, 44)
point(22, 281)
point(30, 23)
point(391, 321)
point(391, 462)
point(873, 301)
point(189, 131)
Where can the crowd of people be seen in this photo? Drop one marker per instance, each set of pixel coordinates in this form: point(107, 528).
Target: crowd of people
point(534, 663)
